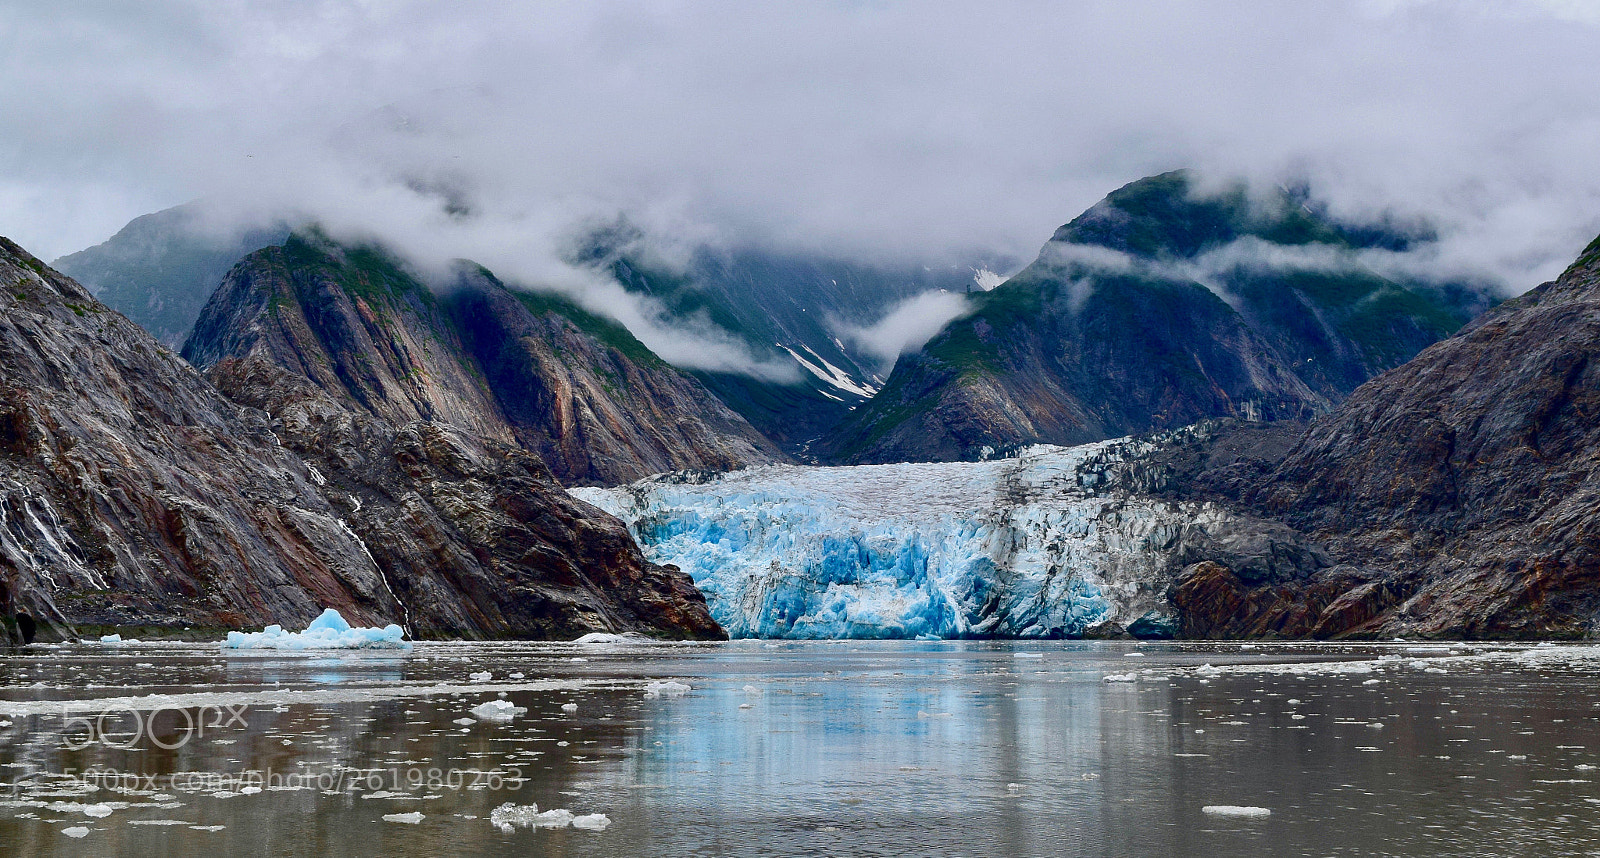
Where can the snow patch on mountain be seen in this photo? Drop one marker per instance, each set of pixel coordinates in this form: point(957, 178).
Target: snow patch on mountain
point(1045, 544)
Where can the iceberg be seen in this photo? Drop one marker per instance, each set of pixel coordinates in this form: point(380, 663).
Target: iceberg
point(1042, 545)
point(329, 631)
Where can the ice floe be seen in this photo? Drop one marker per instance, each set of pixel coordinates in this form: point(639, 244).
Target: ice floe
point(329, 631)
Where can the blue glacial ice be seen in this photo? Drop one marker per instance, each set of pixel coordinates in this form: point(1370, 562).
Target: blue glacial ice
point(329, 631)
point(1042, 545)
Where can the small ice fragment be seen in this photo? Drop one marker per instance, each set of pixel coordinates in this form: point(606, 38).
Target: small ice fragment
point(569, 707)
point(75, 831)
point(411, 818)
point(1372, 682)
point(98, 811)
point(499, 711)
point(1027, 655)
point(666, 688)
point(483, 676)
point(1236, 810)
point(1133, 655)
point(591, 822)
point(1121, 677)
point(1208, 670)
point(751, 689)
point(464, 722)
point(514, 675)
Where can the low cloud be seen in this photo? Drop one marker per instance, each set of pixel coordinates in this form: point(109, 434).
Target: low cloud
point(906, 327)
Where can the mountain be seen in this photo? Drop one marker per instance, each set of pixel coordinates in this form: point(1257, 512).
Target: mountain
point(160, 268)
point(517, 368)
point(1162, 305)
point(791, 310)
point(136, 494)
point(1462, 484)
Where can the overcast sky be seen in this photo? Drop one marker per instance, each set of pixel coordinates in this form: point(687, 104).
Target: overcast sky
point(867, 128)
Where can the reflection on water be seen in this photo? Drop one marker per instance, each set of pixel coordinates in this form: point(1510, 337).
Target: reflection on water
point(804, 748)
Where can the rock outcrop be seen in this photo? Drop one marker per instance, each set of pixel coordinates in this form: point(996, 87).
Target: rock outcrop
point(518, 368)
point(1159, 307)
point(134, 493)
point(1455, 495)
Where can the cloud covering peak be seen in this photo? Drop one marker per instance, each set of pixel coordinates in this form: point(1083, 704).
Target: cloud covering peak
point(486, 128)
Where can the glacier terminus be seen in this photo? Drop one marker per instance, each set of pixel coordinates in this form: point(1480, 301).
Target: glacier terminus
point(1050, 542)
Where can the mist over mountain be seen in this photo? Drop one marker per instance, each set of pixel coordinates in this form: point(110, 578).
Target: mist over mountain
point(1168, 302)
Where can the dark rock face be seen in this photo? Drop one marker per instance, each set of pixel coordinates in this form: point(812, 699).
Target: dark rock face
point(134, 493)
point(1157, 308)
point(524, 369)
point(1455, 493)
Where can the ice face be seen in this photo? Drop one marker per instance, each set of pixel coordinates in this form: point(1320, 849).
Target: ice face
point(329, 631)
point(1042, 545)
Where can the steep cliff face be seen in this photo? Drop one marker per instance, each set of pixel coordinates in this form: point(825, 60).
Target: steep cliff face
point(1160, 306)
point(134, 493)
point(523, 369)
point(1467, 476)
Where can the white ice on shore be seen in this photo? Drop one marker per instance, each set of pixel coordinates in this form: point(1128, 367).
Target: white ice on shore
point(1044, 544)
point(329, 631)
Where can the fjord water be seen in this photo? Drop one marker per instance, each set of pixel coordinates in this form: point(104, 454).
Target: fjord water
point(824, 748)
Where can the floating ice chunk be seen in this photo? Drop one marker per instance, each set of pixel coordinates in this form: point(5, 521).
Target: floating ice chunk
point(569, 707)
point(483, 676)
point(329, 631)
point(1027, 655)
point(923, 637)
point(1245, 811)
point(98, 811)
point(1372, 682)
point(1121, 677)
point(666, 688)
point(75, 831)
point(111, 638)
point(557, 818)
point(464, 722)
point(613, 638)
point(498, 711)
point(1133, 655)
point(411, 818)
point(1208, 670)
point(591, 822)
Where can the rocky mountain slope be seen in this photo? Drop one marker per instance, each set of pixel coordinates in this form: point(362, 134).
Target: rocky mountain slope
point(160, 268)
point(517, 368)
point(1162, 305)
point(134, 493)
point(1462, 484)
point(791, 310)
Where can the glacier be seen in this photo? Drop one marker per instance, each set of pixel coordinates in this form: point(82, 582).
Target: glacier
point(1047, 543)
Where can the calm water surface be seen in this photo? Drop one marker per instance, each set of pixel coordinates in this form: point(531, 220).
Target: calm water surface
point(848, 748)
